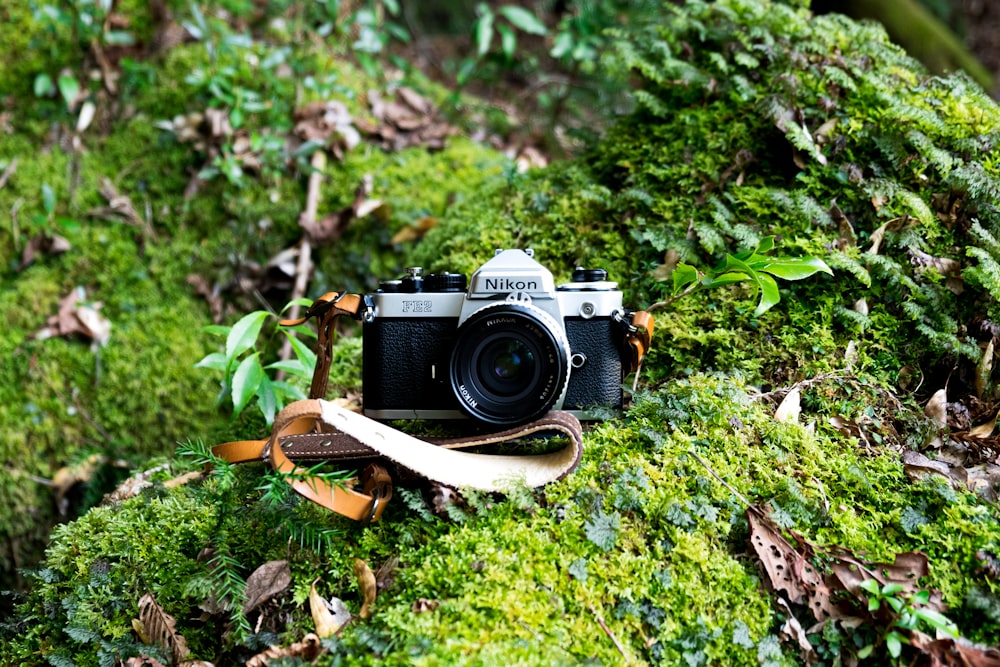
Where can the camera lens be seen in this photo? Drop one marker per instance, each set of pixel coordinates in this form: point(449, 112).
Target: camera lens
point(510, 364)
point(507, 366)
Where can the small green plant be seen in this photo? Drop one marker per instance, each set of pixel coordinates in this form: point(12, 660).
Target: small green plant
point(907, 613)
point(245, 377)
point(750, 266)
point(505, 22)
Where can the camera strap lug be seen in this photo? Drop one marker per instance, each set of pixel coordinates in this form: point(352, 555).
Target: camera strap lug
point(638, 327)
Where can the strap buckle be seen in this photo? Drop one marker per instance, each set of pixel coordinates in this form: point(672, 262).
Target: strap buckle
point(376, 501)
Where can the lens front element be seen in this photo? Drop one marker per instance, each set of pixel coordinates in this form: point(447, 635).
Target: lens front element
point(510, 364)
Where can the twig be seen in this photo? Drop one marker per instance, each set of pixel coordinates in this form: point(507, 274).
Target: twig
point(716, 475)
point(666, 302)
point(304, 265)
point(611, 635)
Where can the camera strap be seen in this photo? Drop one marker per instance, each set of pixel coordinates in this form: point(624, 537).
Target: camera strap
point(319, 430)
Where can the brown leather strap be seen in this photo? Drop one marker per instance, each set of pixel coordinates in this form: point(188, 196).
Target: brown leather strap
point(639, 336)
point(295, 435)
point(326, 309)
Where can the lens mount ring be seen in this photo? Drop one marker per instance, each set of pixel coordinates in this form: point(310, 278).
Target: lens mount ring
point(510, 363)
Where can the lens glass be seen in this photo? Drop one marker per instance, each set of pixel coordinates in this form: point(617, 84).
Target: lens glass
point(506, 366)
point(509, 365)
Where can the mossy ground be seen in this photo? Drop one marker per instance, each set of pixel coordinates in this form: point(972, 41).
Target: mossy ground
point(641, 554)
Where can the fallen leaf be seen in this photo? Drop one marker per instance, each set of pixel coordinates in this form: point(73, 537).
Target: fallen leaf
point(42, 244)
point(405, 121)
point(268, 580)
point(328, 617)
point(308, 648)
point(423, 605)
point(76, 317)
point(879, 234)
point(947, 652)
point(790, 407)
point(792, 630)
point(160, 628)
point(414, 232)
point(917, 466)
point(366, 582)
point(937, 407)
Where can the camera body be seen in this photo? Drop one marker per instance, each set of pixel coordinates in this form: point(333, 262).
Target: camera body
point(505, 351)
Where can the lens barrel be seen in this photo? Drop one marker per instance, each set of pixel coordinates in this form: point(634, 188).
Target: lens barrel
point(509, 364)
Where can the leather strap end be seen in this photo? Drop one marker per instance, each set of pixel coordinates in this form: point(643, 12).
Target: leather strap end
point(640, 337)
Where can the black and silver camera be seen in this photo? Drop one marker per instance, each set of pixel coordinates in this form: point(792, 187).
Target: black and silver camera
point(505, 351)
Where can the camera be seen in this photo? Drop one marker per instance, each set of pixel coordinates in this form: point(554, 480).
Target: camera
point(503, 347)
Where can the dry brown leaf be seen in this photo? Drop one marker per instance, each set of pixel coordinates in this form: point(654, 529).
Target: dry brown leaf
point(160, 628)
point(368, 586)
point(878, 235)
point(845, 230)
point(416, 231)
point(142, 661)
point(793, 631)
point(790, 407)
point(42, 244)
point(328, 617)
point(917, 466)
point(407, 120)
point(984, 370)
point(836, 594)
point(309, 648)
point(947, 652)
point(423, 605)
point(76, 317)
point(268, 580)
point(937, 407)
point(984, 430)
point(788, 571)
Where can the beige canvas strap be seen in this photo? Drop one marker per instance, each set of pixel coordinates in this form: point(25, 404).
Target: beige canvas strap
point(301, 431)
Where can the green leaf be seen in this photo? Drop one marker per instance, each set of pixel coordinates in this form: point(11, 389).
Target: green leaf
point(892, 588)
point(217, 329)
point(895, 602)
point(244, 334)
point(795, 269)
point(866, 651)
point(284, 390)
point(246, 380)
point(938, 621)
point(216, 361)
point(266, 399)
point(484, 31)
point(292, 366)
point(727, 278)
point(303, 352)
point(48, 198)
point(893, 644)
point(508, 41)
point(522, 19)
point(870, 586)
point(69, 88)
point(301, 301)
point(684, 275)
point(766, 245)
point(769, 294)
point(43, 85)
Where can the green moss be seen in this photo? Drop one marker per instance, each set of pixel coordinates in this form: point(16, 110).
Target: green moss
point(753, 119)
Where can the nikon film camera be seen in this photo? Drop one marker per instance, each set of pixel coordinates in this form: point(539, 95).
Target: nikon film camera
point(506, 351)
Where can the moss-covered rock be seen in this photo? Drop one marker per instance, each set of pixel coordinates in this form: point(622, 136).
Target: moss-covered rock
point(753, 119)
